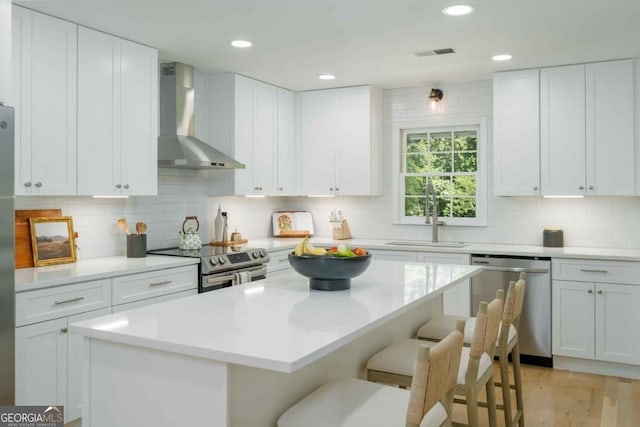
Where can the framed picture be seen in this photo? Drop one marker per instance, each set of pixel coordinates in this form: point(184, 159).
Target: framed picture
point(52, 240)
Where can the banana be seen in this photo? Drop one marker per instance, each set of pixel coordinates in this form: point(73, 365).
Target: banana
point(301, 247)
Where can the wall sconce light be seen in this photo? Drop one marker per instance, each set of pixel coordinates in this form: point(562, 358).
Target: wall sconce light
point(435, 96)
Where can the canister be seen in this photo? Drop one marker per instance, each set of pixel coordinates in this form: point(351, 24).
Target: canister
point(553, 237)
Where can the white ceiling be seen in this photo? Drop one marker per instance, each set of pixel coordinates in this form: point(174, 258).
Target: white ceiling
point(364, 41)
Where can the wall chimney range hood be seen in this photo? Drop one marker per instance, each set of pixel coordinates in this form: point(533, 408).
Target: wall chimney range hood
point(177, 145)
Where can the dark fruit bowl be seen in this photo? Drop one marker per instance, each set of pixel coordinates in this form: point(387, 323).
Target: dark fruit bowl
point(329, 273)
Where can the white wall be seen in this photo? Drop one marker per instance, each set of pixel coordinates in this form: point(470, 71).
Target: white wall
point(5, 50)
point(591, 222)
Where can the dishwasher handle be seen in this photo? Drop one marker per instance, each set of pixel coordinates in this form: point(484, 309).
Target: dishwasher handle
point(514, 269)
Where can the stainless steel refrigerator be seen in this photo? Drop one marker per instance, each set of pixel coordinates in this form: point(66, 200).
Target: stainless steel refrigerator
point(7, 286)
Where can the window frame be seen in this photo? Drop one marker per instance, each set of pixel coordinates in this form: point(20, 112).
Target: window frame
point(398, 161)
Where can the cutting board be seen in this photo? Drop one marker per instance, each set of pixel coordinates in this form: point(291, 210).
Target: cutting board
point(23, 252)
point(292, 224)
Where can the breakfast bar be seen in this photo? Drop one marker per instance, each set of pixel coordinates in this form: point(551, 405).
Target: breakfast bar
point(241, 356)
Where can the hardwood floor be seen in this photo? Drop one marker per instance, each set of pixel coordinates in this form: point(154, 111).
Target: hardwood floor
point(567, 399)
point(554, 398)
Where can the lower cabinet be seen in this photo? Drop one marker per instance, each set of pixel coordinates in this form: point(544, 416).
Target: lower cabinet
point(48, 359)
point(595, 310)
point(278, 261)
point(49, 364)
point(596, 321)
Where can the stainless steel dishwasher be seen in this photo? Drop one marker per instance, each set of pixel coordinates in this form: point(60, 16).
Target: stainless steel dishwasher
point(535, 323)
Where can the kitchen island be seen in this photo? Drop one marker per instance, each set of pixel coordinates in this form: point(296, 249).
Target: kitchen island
point(242, 355)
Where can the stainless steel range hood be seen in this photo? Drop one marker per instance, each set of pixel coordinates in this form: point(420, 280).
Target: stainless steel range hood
point(177, 145)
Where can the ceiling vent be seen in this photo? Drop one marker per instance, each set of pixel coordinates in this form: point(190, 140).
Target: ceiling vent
point(433, 52)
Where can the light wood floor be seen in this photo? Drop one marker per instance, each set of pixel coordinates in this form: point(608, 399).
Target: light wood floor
point(566, 399)
point(554, 398)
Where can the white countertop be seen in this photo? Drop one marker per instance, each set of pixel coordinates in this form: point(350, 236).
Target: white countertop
point(275, 243)
point(29, 279)
point(277, 323)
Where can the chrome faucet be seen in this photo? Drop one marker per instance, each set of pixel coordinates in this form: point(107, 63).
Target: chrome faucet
point(430, 191)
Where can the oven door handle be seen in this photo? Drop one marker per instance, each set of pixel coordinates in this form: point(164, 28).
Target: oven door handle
point(218, 280)
point(262, 271)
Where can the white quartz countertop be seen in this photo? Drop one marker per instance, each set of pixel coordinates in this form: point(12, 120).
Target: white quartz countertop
point(275, 243)
point(29, 279)
point(277, 323)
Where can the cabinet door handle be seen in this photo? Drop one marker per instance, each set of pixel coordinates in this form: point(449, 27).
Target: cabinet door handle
point(166, 282)
point(581, 187)
point(590, 291)
point(535, 188)
point(76, 299)
point(126, 186)
point(27, 184)
point(588, 270)
point(591, 187)
point(63, 330)
point(337, 188)
point(599, 292)
point(330, 188)
point(38, 184)
point(118, 186)
point(280, 189)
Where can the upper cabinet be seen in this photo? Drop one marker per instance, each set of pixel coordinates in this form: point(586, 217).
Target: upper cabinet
point(44, 95)
point(585, 129)
point(342, 142)
point(516, 137)
point(117, 116)
point(253, 122)
point(5, 52)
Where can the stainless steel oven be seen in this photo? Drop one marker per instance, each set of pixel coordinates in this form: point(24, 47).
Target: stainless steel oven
point(224, 279)
point(221, 267)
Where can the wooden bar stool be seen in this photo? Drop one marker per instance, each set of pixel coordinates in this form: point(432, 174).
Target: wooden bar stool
point(392, 365)
point(507, 344)
point(357, 403)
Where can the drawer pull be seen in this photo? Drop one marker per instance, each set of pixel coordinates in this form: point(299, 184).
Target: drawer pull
point(599, 292)
point(63, 330)
point(590, 291)
point(76, 299)
point(166, 282)
point(587, 270)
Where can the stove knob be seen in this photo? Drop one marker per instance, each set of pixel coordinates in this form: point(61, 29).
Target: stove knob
point(263, 253)
point(213, 261)
point(255, 254)
point(222, 259)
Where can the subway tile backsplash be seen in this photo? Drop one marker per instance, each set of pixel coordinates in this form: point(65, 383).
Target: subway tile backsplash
point(591, 222)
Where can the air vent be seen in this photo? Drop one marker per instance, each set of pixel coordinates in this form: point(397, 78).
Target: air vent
point(433, 52)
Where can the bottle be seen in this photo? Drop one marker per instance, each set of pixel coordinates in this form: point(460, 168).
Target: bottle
point(225, 228)
point(218, 226)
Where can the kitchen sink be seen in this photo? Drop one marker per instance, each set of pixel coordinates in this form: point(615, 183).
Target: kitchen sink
point(428, 244)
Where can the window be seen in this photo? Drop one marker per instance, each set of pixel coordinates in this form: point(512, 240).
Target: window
point(452, 159)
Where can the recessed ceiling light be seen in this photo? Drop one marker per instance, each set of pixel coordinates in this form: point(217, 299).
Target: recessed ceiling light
point(241, 43)
point(502, 57)
point(458, 10)
point(326, 77)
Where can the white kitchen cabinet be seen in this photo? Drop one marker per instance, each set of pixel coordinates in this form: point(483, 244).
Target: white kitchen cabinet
point(242, 121)
point(5, 52)
point(382, 254)
point(117, 116)
point(49, 364)
point(288, 172)
point(516, 133)
point(586, 121)
point(457, 300)
point(278, 261)
point(142, 286)
point(341, 142)
point(594, 303)
point(155, 300)
point(44, 96)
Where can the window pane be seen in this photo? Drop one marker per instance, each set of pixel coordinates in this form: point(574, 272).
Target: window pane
point(465, 140)
point(417, 163)
point(464, 185)
point(464, 207)
point(442, 185)
point(414, 206)
point(465, 162)
point(440, 162)
point(414, 185)
point(440, 141)
point(416, 143)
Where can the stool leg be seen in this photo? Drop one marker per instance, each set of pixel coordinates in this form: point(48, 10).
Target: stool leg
point(506, 392)
point(472, 405)
point(491, 402)
point(515, 355)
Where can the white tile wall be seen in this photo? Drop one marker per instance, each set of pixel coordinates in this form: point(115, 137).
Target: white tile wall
point(590, 222)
